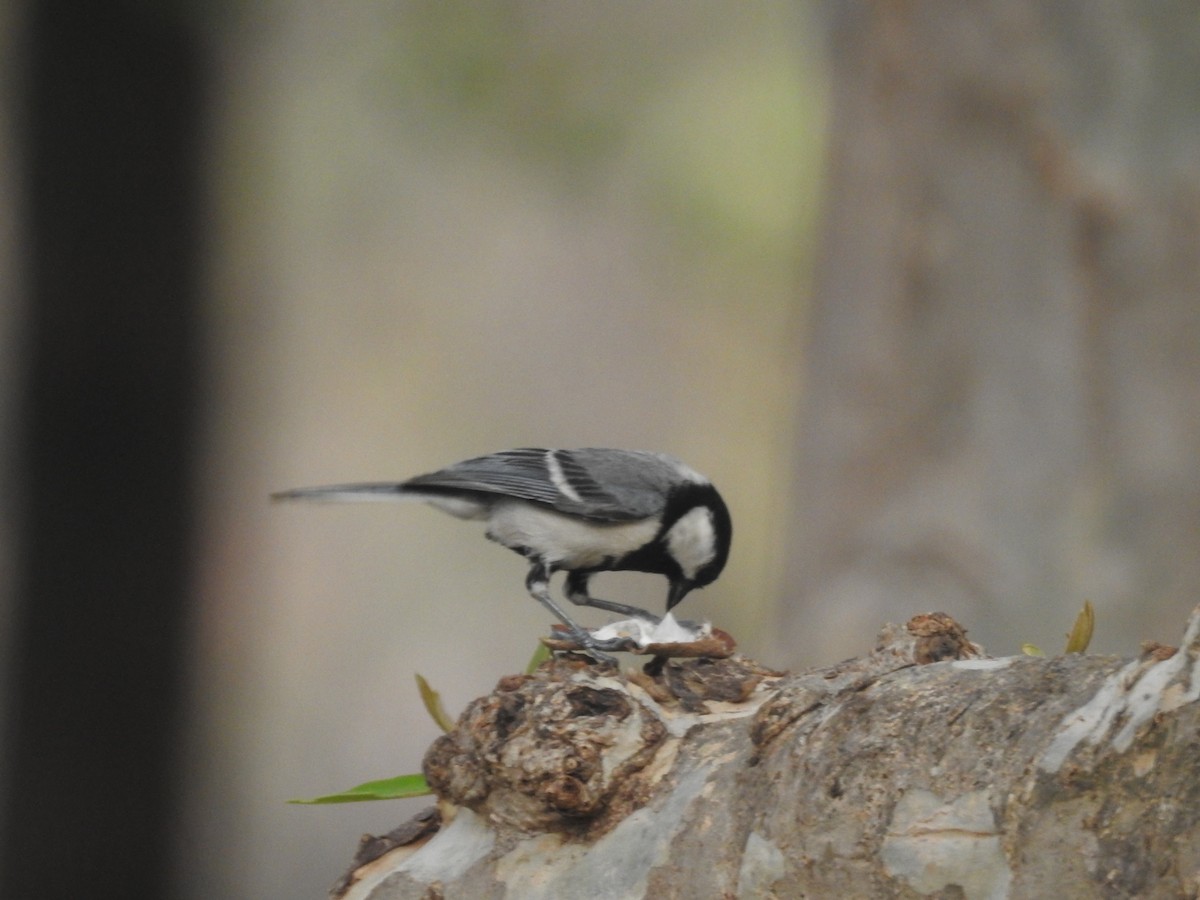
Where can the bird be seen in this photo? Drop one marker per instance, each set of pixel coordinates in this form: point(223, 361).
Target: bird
point(577, 511)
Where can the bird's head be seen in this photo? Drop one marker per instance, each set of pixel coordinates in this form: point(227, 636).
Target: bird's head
point(696, 537)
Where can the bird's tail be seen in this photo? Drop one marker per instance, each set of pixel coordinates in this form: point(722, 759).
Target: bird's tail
point(460, 504)
point(349, 493)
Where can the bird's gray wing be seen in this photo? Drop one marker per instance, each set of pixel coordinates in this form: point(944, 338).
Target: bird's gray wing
point(638, 480)
point(604, 485)
point(561, 479)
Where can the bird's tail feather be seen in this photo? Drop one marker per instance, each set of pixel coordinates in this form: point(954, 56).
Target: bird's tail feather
point(350, 493)
point(460, 504)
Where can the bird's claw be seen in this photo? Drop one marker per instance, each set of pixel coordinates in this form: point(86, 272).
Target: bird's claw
point(595, 648)
point(603, 658)
point(619, 643)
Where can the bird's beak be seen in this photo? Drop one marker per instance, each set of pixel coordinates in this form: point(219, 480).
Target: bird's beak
point(679, 590)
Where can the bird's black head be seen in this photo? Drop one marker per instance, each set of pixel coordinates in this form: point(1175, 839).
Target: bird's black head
point(695, 537)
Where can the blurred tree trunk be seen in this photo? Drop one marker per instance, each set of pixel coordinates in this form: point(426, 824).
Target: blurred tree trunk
point(104, 447)
point(1003, 374)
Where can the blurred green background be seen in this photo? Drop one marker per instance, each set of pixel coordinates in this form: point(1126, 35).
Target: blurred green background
point(442, 230)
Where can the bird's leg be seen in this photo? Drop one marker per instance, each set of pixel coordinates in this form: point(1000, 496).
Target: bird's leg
point(576, 590)
point(538, 583)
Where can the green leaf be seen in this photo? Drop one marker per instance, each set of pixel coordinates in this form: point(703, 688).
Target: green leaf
point(433, 705)
point(540, 655)
point(1031, 650)
point(1081, 631)
point(386, 789)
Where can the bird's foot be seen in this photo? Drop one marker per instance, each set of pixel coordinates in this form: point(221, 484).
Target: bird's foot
point(597, 648)
point(593, 646)
point(598, 655)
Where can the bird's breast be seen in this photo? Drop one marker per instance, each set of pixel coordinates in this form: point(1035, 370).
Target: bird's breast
point(566, 542)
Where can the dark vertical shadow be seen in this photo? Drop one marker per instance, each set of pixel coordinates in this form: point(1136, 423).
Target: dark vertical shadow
point(111, 121)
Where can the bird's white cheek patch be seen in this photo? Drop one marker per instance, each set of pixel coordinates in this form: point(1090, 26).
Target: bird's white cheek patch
point(692, 541)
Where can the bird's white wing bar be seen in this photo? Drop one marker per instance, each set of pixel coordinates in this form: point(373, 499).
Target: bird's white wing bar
point(558, 478)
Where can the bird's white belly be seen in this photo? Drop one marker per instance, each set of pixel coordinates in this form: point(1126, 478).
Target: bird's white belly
point(564, 541)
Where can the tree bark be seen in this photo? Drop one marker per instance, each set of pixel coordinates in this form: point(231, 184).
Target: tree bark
point(883, 776)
